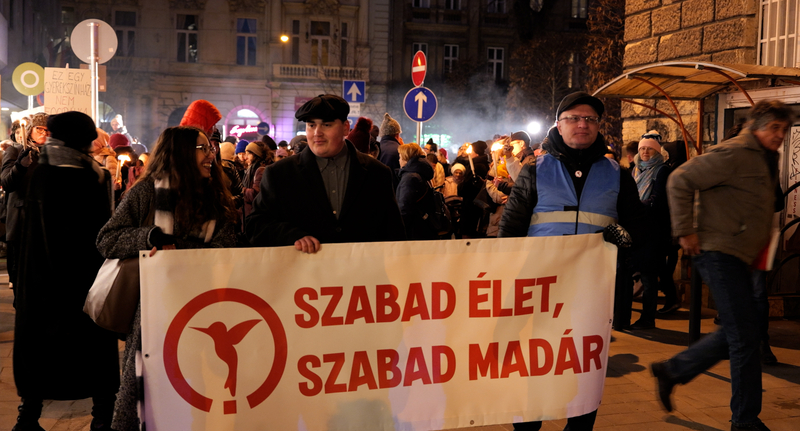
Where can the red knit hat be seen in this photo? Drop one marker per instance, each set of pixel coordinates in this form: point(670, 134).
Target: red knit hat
point(118, 140)
point(201, 114)
point(359, 136)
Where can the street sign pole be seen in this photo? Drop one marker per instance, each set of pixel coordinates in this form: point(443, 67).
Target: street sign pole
point(30, 102)
point(419, 134)
point(93, 31)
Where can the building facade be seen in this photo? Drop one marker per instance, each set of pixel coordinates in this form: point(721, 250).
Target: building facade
point(255, 60)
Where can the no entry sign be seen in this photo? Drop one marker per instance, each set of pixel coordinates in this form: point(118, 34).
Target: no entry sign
point(419, 67)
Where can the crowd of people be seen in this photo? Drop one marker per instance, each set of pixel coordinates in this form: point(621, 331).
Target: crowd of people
point(339, 184)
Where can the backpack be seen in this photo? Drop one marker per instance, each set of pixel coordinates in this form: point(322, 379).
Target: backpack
point(436, 212)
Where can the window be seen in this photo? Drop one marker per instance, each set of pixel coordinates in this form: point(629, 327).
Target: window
point(186, 26)
point(452, 4)
point(495, 59)
point(777, 45)
point(579, 9)
point(125, 28)
point(67, 15)
point(450, 57)
point(246, 42)
point(343, 47)
point(421, 3)
point(320, 42)
point(419, 47)
point(496, 6)
point(295, 42)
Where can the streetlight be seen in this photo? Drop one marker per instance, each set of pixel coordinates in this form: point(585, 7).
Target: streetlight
point(534, 127)
point(284, 38)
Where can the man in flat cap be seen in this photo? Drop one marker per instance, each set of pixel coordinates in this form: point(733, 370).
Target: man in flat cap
point(330, 193)
point(573, 189)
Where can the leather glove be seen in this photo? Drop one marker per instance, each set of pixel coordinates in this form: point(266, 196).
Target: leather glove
point(25, 158)
point(617, 235)
point(159, 239)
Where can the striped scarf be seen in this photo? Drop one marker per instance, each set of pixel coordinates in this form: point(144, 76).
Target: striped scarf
point(165, 201)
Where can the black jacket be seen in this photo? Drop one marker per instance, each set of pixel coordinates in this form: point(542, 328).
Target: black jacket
point(411, 194)
point(15, 179)
point(293, 204)
point(519, 208)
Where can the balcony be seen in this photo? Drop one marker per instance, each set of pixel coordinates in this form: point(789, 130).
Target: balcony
point(301, 71)
point(138, 64)
point(436, 15)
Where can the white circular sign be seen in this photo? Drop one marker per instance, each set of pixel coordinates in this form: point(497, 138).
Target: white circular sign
point(81, 41)
point(35, 79)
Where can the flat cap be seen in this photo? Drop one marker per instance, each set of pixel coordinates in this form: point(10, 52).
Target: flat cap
point(325, 107)
point(580, 98)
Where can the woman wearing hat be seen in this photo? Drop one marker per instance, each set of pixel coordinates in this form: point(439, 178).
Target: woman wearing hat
point(181, 201)
point(651, 172)
point(258, 156)
point(58, 264)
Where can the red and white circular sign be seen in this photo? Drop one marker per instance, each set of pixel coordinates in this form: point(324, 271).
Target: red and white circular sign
point(419, 67)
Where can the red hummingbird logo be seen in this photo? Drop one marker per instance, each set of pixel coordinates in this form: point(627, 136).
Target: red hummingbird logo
point(224, 340)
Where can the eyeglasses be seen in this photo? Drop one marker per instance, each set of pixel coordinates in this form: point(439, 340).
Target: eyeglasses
point(652, 136)
point(40, 129)
point(207, 149)
point(575, 119)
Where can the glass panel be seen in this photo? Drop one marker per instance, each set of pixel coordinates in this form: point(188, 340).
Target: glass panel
point(251, 51)
point(791, 21)
point(790, 53)
point(186, 22)
point(131, 43)
point(182, 47)
point(320, 28)
point(764, 28)
point(295, 27)
point(782, 18)
point(314, 51)
point(125, 18)
point(240, 58)
point(343, 59)
point(779, 53)
point(773, 9)
point(245, 25)
point(344, 29)
point(193, 47)
point(324, 52)
point(295, 50)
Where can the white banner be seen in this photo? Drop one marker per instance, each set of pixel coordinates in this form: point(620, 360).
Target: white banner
point(381, 336)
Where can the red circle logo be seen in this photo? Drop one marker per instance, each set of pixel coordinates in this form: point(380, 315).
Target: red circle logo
point(224, 342)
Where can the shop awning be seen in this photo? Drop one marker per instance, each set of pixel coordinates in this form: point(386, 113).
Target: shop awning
point(683, 80)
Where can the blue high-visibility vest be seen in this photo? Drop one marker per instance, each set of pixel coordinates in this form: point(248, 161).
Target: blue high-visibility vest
point(557, 210)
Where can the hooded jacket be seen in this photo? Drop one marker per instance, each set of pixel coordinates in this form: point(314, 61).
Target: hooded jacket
point(524, 196)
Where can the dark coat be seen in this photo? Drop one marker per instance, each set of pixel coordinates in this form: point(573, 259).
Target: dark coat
point(59, 352)
point(411, 191)
point(15, 178)
point(390, 156)
point(293, 204)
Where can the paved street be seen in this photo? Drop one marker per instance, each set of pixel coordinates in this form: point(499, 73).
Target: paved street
point(629, 402)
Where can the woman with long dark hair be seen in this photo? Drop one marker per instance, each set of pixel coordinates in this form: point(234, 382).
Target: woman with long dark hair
point(181, 201)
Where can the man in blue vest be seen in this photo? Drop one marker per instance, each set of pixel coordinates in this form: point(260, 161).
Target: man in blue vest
point(573, 189)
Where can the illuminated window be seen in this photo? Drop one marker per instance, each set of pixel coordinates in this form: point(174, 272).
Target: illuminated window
point(320, 42)
point(125, 27)
point(246, 42)
point(579, 8)
point(186, 26)
point(777, 45)
point(419, 47)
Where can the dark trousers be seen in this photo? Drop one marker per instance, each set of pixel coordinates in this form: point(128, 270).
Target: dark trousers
point(577, 423)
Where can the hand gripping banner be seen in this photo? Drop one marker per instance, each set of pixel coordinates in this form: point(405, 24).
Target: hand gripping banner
point(380, 336)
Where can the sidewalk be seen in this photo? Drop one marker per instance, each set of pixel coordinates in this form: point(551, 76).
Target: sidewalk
point(629, 402)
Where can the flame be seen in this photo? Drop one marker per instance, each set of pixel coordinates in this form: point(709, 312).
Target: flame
point(469, 149)
point(22, 122)
point(497, 145)
point(123, 158)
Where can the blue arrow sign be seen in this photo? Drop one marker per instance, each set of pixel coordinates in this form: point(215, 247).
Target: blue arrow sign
point(420, 104)
point(263, 128)
point(354, 91)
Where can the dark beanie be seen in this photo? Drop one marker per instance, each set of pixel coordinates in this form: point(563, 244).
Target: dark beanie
point(269, 142)
point(479, 147)
point(76, 129)
point(359, 136)
point(521, 136)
